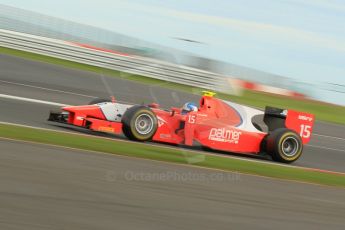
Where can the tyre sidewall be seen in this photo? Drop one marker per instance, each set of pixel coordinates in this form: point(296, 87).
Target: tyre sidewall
point(275, 141)
point(129, 119)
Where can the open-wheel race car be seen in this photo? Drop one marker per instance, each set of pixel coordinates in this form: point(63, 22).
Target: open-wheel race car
point(214, 124)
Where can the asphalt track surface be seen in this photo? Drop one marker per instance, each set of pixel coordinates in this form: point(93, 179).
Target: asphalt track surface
point(36, 80)
point(46, 187)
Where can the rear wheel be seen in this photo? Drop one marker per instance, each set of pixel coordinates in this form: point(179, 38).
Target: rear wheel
point(139, 123)
point(284, 145)
point(98, 100)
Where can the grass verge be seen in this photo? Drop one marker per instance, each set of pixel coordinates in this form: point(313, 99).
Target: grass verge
point(168, 154)
point(322, 111)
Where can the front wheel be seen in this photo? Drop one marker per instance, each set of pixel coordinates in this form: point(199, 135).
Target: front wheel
point(139, 123)
point(284, 145)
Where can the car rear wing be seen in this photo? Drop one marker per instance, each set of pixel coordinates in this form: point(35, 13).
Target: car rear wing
point(301, 122)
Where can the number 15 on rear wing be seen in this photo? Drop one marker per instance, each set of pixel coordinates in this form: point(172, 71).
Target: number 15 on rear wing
point(300, 122)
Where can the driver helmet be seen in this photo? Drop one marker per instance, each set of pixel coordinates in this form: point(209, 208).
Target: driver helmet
point(189, 107)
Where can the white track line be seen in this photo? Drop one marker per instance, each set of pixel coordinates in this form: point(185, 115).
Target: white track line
point(168, 147)
point(84, 95)
point(48, 89)
point(60, 91)
point(322, 147)
point(62, 105)
point(320, 135)
point(31, 100)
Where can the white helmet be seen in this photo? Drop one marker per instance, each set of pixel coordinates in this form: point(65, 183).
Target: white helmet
point(189, 107)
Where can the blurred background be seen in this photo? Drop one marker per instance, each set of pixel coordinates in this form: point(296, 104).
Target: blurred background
point(282, 47)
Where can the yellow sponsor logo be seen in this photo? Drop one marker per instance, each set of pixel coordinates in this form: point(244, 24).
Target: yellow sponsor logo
point(106, 129)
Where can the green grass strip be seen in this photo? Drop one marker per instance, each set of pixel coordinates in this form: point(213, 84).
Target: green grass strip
point(322, 111)
point(168, 154)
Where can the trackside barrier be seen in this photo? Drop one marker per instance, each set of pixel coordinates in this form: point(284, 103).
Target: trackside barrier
point(116, 61)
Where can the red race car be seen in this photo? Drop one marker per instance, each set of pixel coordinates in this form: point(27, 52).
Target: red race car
point(214, 124)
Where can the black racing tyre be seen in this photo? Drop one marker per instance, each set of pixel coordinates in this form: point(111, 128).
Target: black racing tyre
point(139, 123)
point(284, 145)
point(98, 100)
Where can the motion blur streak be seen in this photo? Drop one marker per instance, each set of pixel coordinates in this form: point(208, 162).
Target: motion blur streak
point(85, 83)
